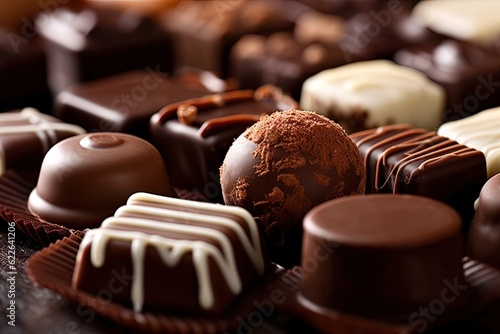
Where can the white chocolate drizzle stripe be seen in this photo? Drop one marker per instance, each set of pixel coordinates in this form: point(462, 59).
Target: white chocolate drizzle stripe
point(211, 210)
point(255, 254)
point(171, 251)
point(43, 126)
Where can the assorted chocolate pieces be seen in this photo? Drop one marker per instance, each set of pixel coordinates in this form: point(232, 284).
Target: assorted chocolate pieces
point(194, 135)
point(400, 159)
point(181, 255)
point(125, 102)
point(89, 43)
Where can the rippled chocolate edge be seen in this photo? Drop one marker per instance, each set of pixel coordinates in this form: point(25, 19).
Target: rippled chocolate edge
point(15, 187)
point(52, 268)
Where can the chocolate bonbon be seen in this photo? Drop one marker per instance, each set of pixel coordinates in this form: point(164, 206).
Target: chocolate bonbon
point(125, 102)
point(84, 179)
point(407, 160)
point(194, 135)
point(469, 74)
point(482, 132)
point(89, 43)
point(286, 164)
point(369, 94)
point(184, 256)
point(26, 135)
point(397, 253)
point(483, 240)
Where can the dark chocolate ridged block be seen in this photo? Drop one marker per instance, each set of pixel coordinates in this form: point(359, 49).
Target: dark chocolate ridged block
point(26, 135)
point(384, 257)
point(84, 179)
point(126, 101)
point(484, 235)
point(406, 160)
point(194, 135)
point(179, 255)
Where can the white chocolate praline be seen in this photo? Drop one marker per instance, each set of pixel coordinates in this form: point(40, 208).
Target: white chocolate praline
point(149, 208)
point(480, 131)
point(30, 120)
point(474, 21)
point(387, 92)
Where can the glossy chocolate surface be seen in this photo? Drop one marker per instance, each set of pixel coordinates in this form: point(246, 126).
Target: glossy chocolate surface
point(84, 179)
point(125, 102)
point(194, 135)
point(26, 135)
point(484, 235)
point(89, 43)
point(396, 253)
point(286, 164)
point(405, 160)
point(183, 256)
point(469, 74)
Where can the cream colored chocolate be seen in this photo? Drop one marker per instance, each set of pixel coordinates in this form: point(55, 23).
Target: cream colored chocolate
point(469, 20)
point(374, 93)
point(480, 131)
point(157, 213)
point(31, 121)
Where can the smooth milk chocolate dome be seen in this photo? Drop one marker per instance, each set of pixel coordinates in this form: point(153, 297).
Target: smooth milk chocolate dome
point(484, 235)
point(383, 257)
point(287, 163)
point(84, 179)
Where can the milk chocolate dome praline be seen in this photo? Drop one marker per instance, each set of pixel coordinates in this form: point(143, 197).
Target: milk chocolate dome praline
point(84, 179)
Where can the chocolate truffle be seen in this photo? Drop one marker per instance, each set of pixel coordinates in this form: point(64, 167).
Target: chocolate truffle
point(482, 132)
point(469, 74)
point(84, 179)
point(183, 256)
point(395, 253)
point(194, 135)
point(125, 102)
point(85, 44)
point(406, 160)
point(484, 235)
point(369, 94)
point(286, 164)
point(26, 135)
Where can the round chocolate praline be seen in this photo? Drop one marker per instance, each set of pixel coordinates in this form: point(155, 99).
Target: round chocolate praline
point(85, 178)
point(484, 235)
point(383, 257)
point(284, 165)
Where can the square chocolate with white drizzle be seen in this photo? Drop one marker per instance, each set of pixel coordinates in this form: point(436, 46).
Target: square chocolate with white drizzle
point(26, 135)
point(164, 253)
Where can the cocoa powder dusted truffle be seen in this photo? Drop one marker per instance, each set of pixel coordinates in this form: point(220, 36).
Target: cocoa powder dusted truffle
point(286, 164)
